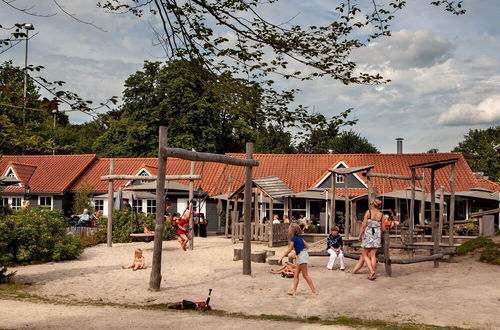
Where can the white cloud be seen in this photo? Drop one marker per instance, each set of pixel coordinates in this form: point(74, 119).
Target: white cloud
point(486, 112)
point(407, 49)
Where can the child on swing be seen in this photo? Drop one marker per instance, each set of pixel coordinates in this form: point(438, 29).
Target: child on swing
point(183, 230)
point(138, 263)
point(298, 244)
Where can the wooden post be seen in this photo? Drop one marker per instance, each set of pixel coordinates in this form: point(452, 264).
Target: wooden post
point(435, 225)
point(451, 220)
point(247, 207)
point(354, 228)
point(256, 207)
point(109, 236)
point(271, 211)
point(155, 278)
point(441, 213)
point(235, 219)
point(228, 204)
point(422, 202)
point(290, 207)
point(347, 213)
point(191, 198)
point(332, 208)
point(412, 210)
point(387, 256)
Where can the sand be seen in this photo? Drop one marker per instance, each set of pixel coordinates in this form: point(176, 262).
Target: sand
point(466, 293)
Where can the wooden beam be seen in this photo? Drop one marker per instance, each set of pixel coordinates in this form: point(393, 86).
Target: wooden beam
point(451, 216)
point(412, 209)
point(247, 208)
point(155, 277)
point(235, 219)
point(481, 213)
point(256, 206)
point(109, 238)
point(271, 214)
point(422, 202)
point(435, 165)
point(149, 178)
point(441, 213)
point(332, 208)
point(192, 166)
point(435, 225)
point(228, 204)
point(391, 176)
point(347, 217)
point(387, 256)
point(208, 157)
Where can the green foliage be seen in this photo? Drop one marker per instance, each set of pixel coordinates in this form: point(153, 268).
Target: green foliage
point(477, 148)
point(490, 253)
point(327, 139)
point(82, 197)
point(39, 136)
point(36, 234)
point(125, 223)
point(473, 244)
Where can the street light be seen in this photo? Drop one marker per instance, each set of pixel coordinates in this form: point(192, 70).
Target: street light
point(27, 27)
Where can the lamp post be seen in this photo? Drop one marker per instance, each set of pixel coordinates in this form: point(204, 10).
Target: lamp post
point(27, 27)
point(54, 112)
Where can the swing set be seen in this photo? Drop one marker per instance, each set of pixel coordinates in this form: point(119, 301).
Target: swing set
point(435, 246)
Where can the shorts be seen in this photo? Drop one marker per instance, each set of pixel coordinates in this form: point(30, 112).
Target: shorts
point(303, 257)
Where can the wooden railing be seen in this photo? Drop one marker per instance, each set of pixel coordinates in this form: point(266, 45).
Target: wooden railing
point(261, 233)
point(82, 231)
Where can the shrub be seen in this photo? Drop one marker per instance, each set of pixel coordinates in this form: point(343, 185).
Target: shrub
point(126, 222)
point(476, 243)
point(37, 234)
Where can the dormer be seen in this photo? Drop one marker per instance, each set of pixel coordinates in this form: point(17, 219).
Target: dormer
point(353, 180)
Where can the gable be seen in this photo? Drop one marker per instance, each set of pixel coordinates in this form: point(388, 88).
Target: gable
point(353, 180)
point(12, 174)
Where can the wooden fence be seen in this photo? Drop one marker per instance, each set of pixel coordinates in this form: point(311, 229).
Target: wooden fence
point(82, 231)
point(261, 233)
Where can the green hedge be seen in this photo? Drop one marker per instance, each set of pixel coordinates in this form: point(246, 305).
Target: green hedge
point(126, 222)
point(36, 235)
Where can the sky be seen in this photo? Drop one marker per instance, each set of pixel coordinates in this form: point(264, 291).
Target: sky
point(444, 69)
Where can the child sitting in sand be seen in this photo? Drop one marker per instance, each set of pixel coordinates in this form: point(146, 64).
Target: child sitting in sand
point(138, 263)
point(288, 269)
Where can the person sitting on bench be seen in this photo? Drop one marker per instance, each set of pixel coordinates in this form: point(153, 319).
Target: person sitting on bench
point(83, 220)
point(335, 246)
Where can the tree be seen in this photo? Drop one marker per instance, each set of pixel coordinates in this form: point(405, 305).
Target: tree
point(432, 151)
point(82, 197)
point(477, 148)
point(212, 115)
point(350, 142)
point(274, 140)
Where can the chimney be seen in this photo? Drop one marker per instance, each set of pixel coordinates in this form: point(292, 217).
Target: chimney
point(399, 144)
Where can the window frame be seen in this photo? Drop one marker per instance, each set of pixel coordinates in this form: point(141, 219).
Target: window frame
point(51, 206)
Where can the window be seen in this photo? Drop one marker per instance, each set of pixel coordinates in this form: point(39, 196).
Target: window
point(5, 201)
point(151, 206)
point(339, 178)
point(45, 201)
point(16, 203)
point(137, 205)
point(99, 205)
point(144, 173)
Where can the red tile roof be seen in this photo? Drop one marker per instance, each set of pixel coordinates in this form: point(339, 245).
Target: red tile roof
point(488, 184)
point(48, 173)
point(299, 172)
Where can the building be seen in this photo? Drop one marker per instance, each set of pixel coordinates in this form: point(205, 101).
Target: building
point(52, 181)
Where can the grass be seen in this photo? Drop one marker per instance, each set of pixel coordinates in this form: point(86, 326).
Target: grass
point(490, 253)
point(18, 291)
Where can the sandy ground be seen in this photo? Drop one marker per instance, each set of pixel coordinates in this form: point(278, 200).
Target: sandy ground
point(465, 294)
point(49, 316)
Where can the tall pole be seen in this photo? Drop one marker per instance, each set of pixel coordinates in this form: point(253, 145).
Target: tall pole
point(412, 208)
point(109, 237)
point(451, 221)
point(435, 224)
point(228, 203)
point(247, 208)
point(155, 277)
point(191, 196)
point(25, 79)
